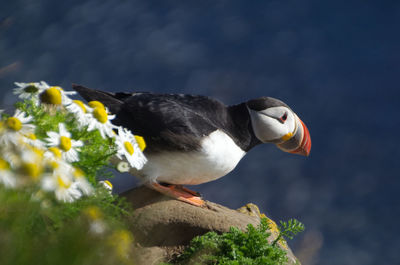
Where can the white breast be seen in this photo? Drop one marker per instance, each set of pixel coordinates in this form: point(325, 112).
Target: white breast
point(219, 155)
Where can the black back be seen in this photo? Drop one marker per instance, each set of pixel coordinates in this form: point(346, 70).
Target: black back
point(175, 122)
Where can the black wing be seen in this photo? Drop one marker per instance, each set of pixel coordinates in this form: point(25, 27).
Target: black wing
point(166, 121)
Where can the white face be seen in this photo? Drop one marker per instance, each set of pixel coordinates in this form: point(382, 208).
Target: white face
point(275, 124)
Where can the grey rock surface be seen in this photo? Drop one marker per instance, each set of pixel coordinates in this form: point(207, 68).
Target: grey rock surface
point(163, 226)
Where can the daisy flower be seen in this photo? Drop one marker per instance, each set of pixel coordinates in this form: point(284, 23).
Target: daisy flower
point(83, 184)
point(29, 90)
point(60, 181)
point(129, 149)
point(80, 110)
point(140, 141)
point(94, 104)
point(11, 155)
point(107, 185)
point(122, 242)
point(31, 139)
point(97, 225)
point(7, 177)
point(16, 126)
point(123, 166)
point(32, 164)
point(100, 120)
point(55, 95)
point(53, 153)
point(63, 141)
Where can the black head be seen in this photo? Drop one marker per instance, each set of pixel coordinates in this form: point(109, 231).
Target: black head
point(273, 121)
point(263, 103)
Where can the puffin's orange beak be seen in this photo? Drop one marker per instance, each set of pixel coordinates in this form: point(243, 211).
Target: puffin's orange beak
point(305, 146)
point(300, 143)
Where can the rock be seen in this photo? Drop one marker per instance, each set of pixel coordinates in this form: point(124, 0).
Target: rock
point(163, 226)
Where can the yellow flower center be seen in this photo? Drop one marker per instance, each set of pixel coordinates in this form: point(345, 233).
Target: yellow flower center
point(100, 114)
point(31, 136)
point(65, 143)
point(93, 212)
point(53, 164)
point(38, 152)
point(80, 104)
point(31, 89)
point(56, 151)
point(3, 164)
point(96, 104)
point(108, 183)
point(129, 148)
point(121, 241)
point(78, 173)
point(32, 170)
point(62, 183)
point(14, 123)
point(141, 142)
point(51, 95)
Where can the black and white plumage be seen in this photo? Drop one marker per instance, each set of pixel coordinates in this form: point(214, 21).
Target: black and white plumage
point(195, 139)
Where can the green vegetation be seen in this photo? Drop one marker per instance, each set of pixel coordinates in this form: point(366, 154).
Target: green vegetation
point(87, 231)
point(53, 210)
point(289, 230)
point(240, 248)
point(94, 155)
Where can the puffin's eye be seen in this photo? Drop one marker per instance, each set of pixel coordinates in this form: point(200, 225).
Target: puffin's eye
point(283, 118)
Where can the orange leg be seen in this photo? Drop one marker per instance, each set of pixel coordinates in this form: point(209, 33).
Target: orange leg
point(178, 192)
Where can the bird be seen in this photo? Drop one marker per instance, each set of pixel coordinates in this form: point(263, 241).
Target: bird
point(194, 139)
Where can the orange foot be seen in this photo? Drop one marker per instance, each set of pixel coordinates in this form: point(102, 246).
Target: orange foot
point(178, 192)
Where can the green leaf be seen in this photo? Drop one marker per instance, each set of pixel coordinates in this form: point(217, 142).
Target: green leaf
point(234, 247)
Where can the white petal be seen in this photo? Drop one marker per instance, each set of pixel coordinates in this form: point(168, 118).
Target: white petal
point(63, 131)
point(48, 183)
point(76, 143)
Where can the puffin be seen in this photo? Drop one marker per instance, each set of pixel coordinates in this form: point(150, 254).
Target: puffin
point(194, 139)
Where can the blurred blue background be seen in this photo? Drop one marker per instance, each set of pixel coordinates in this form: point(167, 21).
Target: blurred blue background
point(337, 64)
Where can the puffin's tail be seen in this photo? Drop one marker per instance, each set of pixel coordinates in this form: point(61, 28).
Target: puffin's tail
point(108, 99)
